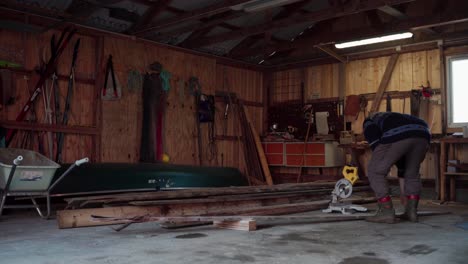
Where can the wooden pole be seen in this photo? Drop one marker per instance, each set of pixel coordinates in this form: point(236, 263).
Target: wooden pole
point(384, 83)
point(299, 175)
point(260, 152)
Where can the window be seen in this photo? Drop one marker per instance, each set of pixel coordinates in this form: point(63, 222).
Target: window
point(457, 91)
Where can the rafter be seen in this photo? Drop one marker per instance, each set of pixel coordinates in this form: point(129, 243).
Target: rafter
point(149, 14)
point(395, 12)
point(374, 19)
point(415, 23)
point(287, 11)
point(201, 25)
point(193, 15)
point(317, 16)
point(244, 44)
point(81, 8)
point(332, 53)
point(194, 36)
point(319, 28)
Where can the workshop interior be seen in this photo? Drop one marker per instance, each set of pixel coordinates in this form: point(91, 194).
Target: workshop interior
point(284, 131)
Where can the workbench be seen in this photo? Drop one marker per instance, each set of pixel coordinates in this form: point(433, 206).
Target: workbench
point(444, 144)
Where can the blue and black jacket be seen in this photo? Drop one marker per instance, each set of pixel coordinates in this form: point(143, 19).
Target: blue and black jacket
point(389, 127)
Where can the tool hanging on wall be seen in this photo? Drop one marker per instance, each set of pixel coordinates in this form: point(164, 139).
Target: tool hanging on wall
point(27, 142)
point(47, 97)
point(389, 103)
point(424, 92)
point(309, 116)
point(66, 110)
point(227, 101)
point(363, 106)
point(48, 71)
point(154, 103)
point(112, 89)
point(134, 81)
point(206, 112)
point(195, 88)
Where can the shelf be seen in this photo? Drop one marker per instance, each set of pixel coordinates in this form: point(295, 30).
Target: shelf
point(50, 128)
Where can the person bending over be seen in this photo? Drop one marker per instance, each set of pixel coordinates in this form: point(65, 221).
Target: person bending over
point(396, 139)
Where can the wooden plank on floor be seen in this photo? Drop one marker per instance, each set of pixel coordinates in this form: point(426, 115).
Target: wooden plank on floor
point(201, 192)
point(242, 225)
point(82, 217)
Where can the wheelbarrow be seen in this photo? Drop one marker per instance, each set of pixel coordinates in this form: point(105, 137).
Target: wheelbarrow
point(28, 174)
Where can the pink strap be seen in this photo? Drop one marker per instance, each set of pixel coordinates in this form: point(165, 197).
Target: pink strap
point(413, 197)
point(385, 199)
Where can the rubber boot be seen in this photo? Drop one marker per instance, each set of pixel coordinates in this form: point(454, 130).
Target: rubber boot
point(385, 213)
point(411, 208)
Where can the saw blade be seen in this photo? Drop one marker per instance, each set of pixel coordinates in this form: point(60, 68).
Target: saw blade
point(343, 188)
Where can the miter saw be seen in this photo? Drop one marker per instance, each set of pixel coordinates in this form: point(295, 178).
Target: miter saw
point(344, 189)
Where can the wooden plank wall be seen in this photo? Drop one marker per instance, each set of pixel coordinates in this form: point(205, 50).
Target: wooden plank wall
point(319, 81)
point(363, 76)
point(412, 70)
point(121, 119)
point(35, 46)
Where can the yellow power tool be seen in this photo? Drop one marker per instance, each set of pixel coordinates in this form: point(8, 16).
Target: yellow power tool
point(344, 189)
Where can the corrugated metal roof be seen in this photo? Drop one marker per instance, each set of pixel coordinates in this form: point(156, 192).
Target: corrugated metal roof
point(316, 5)
point(55, 5)
point(292, 32)
point(100, 18)
point(221, 48)
point(192, 5)
point(252, 19)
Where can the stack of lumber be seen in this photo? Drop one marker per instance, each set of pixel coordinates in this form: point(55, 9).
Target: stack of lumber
point(258, 172)
point(200, 204)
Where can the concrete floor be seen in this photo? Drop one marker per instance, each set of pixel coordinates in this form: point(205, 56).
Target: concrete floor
point(24, 238)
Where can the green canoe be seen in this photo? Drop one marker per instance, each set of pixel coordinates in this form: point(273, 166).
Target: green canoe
point(114, 177)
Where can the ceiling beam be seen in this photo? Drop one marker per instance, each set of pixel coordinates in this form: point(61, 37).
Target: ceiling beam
point(394, 12)
point(317, 29)
point(332, 53)
point(193, 15)
point(329, 13)
point(199, 26)
point(244, 44)
point(149, 14)
point(415, 23)
point(193, 37)
point(287, 11)
point(81, 8)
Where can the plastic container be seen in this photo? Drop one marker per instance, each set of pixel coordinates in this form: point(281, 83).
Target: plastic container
point(33, 174)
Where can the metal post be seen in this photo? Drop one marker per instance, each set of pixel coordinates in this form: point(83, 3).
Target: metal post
point(16, 162)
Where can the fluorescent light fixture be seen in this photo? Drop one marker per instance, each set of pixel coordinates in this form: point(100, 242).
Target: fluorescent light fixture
point(369, 41)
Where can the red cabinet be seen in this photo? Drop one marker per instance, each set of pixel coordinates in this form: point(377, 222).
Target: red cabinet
point(274, 152)
point(295, 154)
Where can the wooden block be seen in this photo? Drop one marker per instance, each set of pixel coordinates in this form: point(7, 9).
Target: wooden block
point(242, 225)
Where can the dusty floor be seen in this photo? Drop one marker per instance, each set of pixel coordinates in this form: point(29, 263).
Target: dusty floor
point(24, 238)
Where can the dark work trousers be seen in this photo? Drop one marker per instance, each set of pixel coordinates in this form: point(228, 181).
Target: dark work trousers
point(411, 150)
